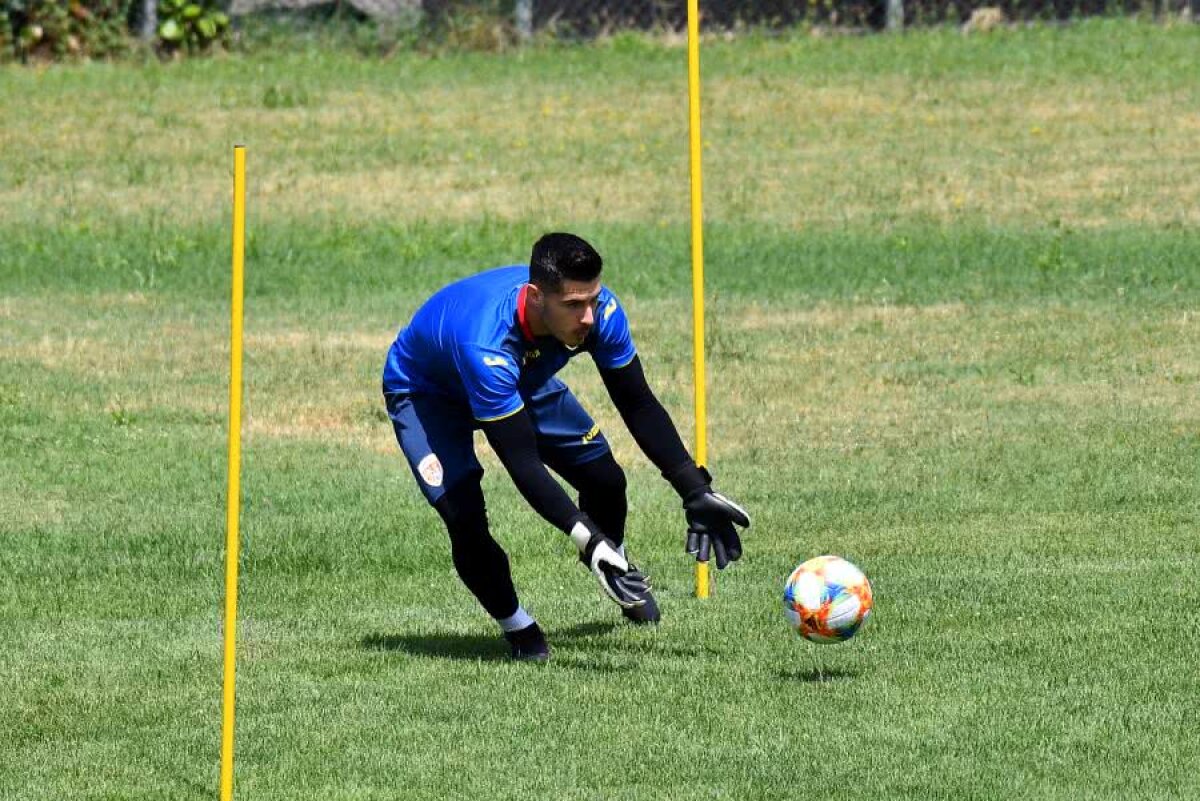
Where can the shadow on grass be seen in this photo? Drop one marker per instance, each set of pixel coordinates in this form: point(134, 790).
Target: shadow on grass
point(817, 675)
point(592, 636)
point(471, 646)
point(446, 646)
point(570, 647)
point(477, 648)
point(580, 631)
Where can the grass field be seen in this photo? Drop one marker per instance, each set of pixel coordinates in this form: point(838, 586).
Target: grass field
point(953, 337)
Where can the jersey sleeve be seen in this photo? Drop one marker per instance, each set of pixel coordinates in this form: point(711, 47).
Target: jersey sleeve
point(613, 347)
point(489, 376)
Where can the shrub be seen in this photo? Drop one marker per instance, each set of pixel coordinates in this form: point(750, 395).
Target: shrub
point(58, 29)
point(191, 25)
point(8, 45)
point(468, 25)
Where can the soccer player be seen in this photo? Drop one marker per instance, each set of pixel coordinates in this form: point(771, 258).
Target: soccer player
point(482, 353)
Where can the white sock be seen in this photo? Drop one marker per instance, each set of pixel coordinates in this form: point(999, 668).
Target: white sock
point(518, 620)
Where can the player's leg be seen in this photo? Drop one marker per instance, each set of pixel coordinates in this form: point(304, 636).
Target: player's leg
point(601, 485)
point(483, 566)
point(437, 441)
point(572, 445)
point(480, 561)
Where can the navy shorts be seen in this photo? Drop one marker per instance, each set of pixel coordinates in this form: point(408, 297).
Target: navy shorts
point(435, 434)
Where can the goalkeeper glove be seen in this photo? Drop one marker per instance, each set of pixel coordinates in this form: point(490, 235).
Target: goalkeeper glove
point(621, 581)
point(710, 517)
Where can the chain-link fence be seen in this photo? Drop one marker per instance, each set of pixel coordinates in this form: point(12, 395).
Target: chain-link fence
point(592, 17)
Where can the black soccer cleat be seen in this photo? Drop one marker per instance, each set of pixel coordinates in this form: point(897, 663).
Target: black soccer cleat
point(646, 613)
point(528, 644)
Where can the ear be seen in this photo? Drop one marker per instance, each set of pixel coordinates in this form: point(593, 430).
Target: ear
point(536, 296)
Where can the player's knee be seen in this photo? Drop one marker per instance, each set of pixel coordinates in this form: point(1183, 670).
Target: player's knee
point(463, 510)
point(602, 496)
point(605, 480)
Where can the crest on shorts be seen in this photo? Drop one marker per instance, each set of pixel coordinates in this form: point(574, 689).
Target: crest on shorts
point(431, 470)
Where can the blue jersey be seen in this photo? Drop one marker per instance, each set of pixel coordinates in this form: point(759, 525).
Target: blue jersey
point(467, 343)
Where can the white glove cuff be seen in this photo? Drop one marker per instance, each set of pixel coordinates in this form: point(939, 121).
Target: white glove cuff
point(580, 536)
point(602, 553)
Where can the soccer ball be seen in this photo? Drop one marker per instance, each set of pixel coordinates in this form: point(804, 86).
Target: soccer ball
point(826, 599)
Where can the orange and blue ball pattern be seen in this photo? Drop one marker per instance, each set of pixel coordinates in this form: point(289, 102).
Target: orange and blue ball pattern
point(827, 599)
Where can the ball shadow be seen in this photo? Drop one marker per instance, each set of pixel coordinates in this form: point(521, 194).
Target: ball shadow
point(817, 675)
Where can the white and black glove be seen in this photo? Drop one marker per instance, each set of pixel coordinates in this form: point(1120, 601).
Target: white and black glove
point(710, 516)
point(620, 580)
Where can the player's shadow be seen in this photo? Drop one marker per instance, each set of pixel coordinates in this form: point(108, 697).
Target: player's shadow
point(473, 647)
point(584, 631)
point(593, 636)
point(569, 646)
point(479, 648)
point(818, 675)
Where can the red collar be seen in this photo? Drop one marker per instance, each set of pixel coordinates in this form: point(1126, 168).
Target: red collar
point(522, 318)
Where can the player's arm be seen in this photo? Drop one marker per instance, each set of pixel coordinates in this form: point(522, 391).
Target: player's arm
point(646, 419)
point(514, 441)
point(710, 515)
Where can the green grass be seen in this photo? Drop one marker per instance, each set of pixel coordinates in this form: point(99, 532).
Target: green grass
point(1087, 126)
point(991, 409)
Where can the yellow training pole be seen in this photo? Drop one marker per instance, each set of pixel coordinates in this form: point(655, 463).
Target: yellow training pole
point(697, 255)
point(235, 455)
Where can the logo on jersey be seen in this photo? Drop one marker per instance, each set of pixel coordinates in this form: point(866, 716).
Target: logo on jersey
point(529, 356)
point(495, 361)
point(610, 308)
point(430, 469)
point(592, 433)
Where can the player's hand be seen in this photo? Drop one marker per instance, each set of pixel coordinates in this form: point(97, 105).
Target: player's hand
point(621, 581)
point(711, 518)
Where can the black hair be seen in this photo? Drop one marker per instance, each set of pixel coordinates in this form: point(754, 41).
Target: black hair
point(562, 257)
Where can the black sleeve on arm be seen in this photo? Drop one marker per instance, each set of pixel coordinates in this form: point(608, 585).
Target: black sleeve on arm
point(514, 441)
point(651, 426)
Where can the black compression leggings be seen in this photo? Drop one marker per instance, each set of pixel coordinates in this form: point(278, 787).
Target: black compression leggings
point(601, 485)
point(481, 562)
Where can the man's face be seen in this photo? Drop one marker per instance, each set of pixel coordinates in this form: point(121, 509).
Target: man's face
point(569, 314)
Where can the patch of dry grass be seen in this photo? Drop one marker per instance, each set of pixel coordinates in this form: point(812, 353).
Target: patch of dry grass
point(829, 377)
point(792, 149)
